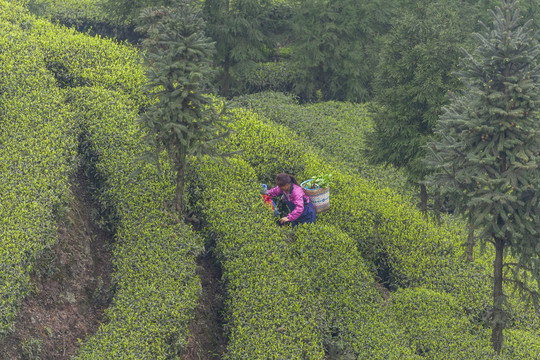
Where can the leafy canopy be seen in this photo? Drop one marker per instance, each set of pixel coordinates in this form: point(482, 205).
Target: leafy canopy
point(182, 118)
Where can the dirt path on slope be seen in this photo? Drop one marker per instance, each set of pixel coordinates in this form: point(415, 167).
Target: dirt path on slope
point(72, 287)
point(207, 340)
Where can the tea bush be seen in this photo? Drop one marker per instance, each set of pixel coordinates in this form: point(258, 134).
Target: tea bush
point(403, 249)
point(390, 233)
point(436, 327)
point(86, 16)
point(399, 245)
point(289, 295)
point(156, 288)
point(521, 344)
point(37, 158)
point(77, 59)
point(58, 86)
point(338, 129)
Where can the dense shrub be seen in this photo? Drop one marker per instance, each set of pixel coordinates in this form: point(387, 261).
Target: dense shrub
point(271, 76)
point(386, 228)
point(297, 295)
point(337, 129)
point(392, 235)
point(435, 326)
point(37, 158)
point(77, 59)
point(154, 281)
point(86, 16)
point(154, 255)
point(521, 344)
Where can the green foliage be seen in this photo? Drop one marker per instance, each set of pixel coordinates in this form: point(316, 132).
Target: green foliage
point(521, 344)
point(486, 153)
point(37, 158)
point(413, 76)
point(494, 126)
point(270, 76)
point(319, 181)
point(154, 256)
point(393, 238)
point(435, 326)
point(241, 30)
point(412, 250)
point(69, 9)
point(331, 49)
point(336, 129)
point(79, 60)
point(155, 281)
point(181, 118)
point(289, 295)
point(88, 16)
point(127, 11)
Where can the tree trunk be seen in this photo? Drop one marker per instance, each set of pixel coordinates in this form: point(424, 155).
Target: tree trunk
point(226, 67)
point(423, 199)
point(498, 297)
point(227, 60)
point(437, 206)
point(470, 243)
point(180, 165)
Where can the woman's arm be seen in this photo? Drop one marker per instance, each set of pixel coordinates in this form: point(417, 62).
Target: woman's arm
point(275, 191)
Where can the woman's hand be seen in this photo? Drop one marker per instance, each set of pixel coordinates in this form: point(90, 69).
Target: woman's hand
point(283, 220)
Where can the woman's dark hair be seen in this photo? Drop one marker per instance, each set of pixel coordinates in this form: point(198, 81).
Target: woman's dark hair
point(283, 179)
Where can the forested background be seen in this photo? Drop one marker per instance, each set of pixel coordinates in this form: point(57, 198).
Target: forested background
point(426, 113)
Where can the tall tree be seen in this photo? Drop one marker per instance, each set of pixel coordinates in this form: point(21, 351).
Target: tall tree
point(240, 29)
point(332, 48)
point(129, 10)
point(181, 119)
point(486, 154)
point(412, 78)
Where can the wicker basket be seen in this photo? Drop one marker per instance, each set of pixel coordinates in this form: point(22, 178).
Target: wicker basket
point(320, 197)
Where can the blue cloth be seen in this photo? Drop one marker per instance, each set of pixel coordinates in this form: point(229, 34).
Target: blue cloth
point(308, 215)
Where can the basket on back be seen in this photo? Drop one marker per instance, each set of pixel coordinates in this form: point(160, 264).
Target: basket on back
point(320, 197)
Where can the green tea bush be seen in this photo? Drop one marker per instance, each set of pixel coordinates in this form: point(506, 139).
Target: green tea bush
point(86, 16)
point(37, 158)
point(391, 234)
point(76, 59)
point(436, 327)
point(337, 129)
point(400, 246)
point(156, 288)
point(267, 309)
point(521, 344)
point(300, 295)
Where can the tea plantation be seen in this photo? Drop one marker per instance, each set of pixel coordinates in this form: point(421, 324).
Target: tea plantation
point(372, 279)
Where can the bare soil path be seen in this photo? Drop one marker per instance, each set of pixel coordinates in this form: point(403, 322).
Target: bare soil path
point(207, 340)
point(71, 287)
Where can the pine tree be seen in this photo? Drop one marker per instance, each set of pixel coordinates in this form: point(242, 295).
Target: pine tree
point(332, 50)
point(128, 10)
point(240, 30)
point(486, 154)
point(181, 119)
point(412, 79)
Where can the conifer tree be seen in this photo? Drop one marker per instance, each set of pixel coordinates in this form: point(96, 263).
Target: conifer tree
point(414, 74)
point(486, 154)
point(240, 30)
point(181, 119)
point(332, 50)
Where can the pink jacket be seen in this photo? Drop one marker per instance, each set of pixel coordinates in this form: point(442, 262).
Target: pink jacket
point(296, 195)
